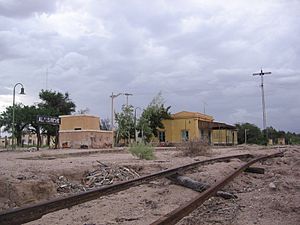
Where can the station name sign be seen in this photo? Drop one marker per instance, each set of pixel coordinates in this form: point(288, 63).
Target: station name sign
point(48, 120)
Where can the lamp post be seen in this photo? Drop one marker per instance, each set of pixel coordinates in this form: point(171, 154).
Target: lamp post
point(13, 112)
point(135, 131)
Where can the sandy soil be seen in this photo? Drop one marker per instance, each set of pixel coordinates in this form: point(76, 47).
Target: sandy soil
point(270, 198)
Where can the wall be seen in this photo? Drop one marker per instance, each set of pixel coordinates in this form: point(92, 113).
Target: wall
point(89, 138)
point(84, 122)
point(174, 127)
point(224, 137)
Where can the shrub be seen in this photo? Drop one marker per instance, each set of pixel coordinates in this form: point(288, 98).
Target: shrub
point(142, 151)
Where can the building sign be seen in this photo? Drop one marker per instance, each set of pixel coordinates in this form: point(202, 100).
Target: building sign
point(48, 120)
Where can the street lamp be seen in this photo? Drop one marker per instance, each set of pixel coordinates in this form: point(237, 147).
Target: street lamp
point(135, 131)
point(13, 113)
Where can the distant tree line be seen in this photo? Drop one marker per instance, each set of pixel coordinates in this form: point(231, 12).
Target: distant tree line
point(52, 104)
point(257, 136)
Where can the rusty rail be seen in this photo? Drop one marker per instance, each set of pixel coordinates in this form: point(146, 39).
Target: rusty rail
point(33, 212)
point(176, 215)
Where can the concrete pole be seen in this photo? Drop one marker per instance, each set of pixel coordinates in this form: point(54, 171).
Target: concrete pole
point(112, 111)
point(112, 114)
point(135, 130)
point(127, 95)
point(246, 136)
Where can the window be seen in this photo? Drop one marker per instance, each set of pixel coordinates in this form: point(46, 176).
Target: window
point(162, 136)
point(77, 128)
point(185, 135)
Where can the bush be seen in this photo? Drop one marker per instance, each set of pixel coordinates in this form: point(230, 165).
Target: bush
point(195, 147)
point(142, 151)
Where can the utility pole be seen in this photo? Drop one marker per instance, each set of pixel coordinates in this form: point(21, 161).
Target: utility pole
point(127, 95)
point(204, 104)
point(47, 79)
point(246, 136)
point(135, 119)
point(112, 109)
point(261, 74)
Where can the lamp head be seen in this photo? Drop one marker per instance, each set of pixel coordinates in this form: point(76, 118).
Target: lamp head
point(22, 91)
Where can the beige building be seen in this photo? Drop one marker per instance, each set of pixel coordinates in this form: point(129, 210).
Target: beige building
point(224, 134)
point(281, 141)
point(83, 131)
point(30, 139)
point(184, 126)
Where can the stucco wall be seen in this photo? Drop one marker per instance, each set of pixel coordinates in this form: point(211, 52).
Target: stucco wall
point(174, 127)
point(89, 138)
point(224, 137)
point(84, 122)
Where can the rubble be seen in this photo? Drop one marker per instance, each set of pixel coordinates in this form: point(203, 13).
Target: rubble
point(272, 186)
point(102, 175)
point(106, 175)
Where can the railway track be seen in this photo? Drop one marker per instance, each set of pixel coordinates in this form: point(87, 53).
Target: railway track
point(36, 211)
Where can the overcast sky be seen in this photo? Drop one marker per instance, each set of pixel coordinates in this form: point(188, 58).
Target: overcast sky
point(200, 54)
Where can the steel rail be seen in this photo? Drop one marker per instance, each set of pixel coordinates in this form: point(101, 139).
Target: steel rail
point(33, 212)
point(176, 215)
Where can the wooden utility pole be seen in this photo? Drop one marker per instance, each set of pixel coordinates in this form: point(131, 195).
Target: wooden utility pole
point(261, 74)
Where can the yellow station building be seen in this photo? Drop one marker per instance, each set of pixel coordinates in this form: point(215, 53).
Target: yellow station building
point(184, 126)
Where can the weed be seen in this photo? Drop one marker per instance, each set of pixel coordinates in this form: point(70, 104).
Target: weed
point(142, 151)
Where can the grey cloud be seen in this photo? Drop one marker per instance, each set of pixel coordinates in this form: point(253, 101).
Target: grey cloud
point(193, 52)
point(25, 8)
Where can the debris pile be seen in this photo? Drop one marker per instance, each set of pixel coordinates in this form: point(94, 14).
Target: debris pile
point(106, 175)
point(66, 186)
point(102, 175)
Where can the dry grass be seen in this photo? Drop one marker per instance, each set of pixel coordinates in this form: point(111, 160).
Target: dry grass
point(197, 147)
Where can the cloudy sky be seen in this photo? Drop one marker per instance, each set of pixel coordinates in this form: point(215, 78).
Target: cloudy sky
point(200, 54)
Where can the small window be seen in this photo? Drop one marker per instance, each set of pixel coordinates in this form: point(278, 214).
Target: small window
point(77, 128)
point(162, 136)
point(185, 135)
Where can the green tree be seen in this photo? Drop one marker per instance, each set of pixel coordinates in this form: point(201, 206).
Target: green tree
point(152, 117)
point(125, 121)
point(32, 113)
point(254, 134)
point(21, 121)
point(55, 104)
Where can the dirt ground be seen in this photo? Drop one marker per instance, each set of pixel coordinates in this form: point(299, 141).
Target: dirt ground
point(270, 198)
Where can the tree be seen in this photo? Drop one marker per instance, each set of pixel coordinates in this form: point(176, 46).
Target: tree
point(105, 124)
point(125, 121)
point(254, 134)
point(20, 120)
point(152, 117)
point(83, 111)
point(58, 103)
point(33, 126)
point(55, 104)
